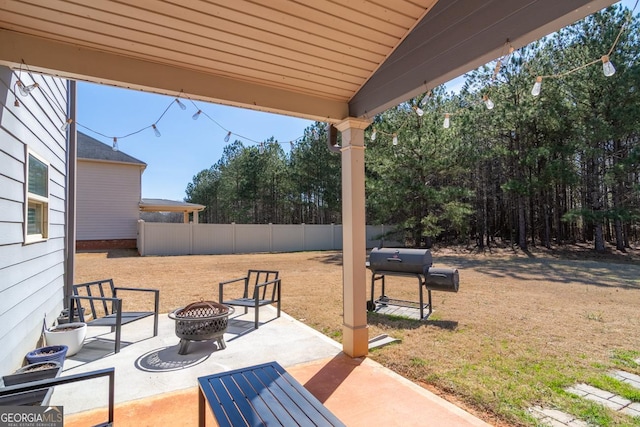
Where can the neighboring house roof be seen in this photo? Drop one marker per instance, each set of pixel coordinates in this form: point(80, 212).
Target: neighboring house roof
point(163, 205)
point(91, 149)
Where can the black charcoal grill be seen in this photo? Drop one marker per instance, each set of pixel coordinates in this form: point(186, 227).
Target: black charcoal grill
point(413, 263)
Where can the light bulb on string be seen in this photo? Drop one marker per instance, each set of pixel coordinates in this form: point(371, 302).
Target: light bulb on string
point(537, 86)
point(607, 67)
point(426, 97)
point(261, 148)
point(226, 138)
point(182, 106)
point(65, 125)
point(447, 121)
point(114, 147)
point(419, 111)
point(156, 131)
point(196, 115)
point(374, 133)
point(26, 90)
point(488, 102)
point(395, 139)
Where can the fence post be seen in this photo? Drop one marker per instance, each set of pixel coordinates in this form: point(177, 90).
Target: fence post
point(233, 233)
point(190, 238)
point(333, 236)
point(304, 233)
point(270, 237)
point(140, 244)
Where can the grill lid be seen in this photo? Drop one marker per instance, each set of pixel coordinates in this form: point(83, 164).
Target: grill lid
point(400, 260)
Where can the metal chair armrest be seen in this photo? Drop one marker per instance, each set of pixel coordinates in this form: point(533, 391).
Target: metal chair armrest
point(221, 285)
point(120, 288)
point(233, 280)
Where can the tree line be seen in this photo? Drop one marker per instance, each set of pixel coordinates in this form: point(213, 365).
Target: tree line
point(556, 168)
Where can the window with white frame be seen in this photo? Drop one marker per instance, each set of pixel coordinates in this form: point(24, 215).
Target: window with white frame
point(37, 209)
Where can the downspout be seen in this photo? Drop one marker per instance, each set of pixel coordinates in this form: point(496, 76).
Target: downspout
point(332, 138)
point(70, 211)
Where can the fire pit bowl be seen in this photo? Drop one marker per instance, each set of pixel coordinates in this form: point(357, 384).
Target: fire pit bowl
point(201, 321)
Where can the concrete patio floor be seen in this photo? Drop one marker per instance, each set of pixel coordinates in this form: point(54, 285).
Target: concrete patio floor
point(154, 385)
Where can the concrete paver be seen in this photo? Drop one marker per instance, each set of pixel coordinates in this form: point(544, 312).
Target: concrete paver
point(608, 399)
point(555, 418)
point(627, 377)
point(630, 411)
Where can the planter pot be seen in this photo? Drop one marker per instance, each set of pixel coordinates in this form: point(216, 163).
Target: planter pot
point(70, 334)
point(64, 315)
point(35, 372)
point(54, 353)
point(29, 373)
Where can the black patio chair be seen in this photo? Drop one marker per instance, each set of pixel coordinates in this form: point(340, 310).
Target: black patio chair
point(106, 306)
point(260, 287)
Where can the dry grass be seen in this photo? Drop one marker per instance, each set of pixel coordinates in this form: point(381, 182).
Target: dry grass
point(522, 327)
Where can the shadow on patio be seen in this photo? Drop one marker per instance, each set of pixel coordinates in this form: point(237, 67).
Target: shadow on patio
point(155, 385)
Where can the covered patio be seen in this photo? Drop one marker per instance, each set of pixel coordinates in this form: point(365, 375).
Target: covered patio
point(321, 60)
point(157, 386)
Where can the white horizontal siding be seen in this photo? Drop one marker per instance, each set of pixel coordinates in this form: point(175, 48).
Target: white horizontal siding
point(108, 199)
point(32, 275)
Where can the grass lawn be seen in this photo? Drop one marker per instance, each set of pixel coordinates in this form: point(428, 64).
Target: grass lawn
point(521, 329)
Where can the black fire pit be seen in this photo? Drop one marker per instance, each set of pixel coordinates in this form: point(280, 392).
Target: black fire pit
point(201, 321)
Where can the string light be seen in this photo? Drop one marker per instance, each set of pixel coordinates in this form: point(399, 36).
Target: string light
point(488, 102)
point(425, 98)
point(65, 125)
point(537, 86)
point(26, 90)
point(447, 121)
point(114, 147)
point(607, 67)
point(608, 70)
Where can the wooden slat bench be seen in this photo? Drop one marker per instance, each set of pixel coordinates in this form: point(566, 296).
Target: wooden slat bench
point(261, 395)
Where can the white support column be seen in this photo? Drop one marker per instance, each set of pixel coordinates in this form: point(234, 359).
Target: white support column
point(355, 339)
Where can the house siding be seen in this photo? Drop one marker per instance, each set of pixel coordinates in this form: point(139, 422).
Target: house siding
point(108, 200)
point(32, 274)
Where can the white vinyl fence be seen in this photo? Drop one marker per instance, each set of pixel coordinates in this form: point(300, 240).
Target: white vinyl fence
point(155, 238)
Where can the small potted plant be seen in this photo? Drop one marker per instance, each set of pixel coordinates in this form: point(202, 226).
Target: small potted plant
point(55, 353)
point(68, 334)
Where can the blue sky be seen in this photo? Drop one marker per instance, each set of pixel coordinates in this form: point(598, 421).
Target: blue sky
point(186, 146)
